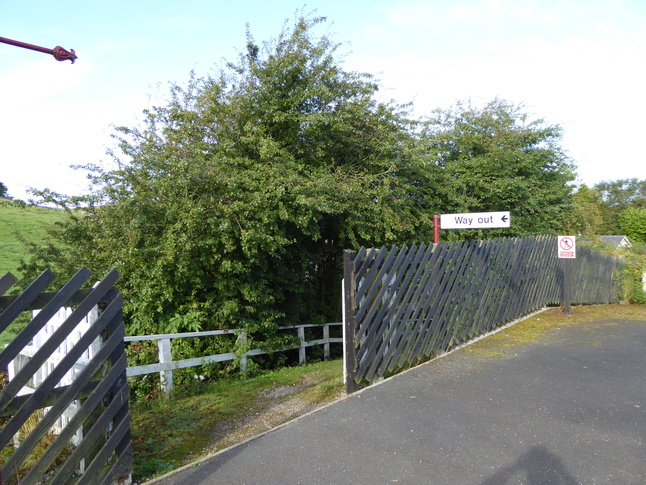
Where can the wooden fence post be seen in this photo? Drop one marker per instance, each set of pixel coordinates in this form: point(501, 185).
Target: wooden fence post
point(165, 357)
point(349, 321)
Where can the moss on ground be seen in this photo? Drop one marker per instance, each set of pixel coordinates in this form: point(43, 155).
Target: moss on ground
point(545, 324)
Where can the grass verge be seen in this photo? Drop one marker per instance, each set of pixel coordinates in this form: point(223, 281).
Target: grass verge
point(201, 420)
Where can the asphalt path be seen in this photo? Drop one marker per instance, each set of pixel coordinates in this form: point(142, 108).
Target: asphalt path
point(568, 409)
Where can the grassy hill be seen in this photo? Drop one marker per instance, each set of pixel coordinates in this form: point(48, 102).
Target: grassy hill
point(19, 221)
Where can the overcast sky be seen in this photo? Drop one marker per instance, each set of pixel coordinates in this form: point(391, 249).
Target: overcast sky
point(576, 63)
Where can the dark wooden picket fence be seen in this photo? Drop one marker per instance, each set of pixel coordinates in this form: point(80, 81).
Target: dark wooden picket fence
point(103, 454)
point(405, 305)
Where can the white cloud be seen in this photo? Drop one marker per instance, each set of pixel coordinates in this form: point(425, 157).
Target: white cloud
point(579, 68)
point(54, 124)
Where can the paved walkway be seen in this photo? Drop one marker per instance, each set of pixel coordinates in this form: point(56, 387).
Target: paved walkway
point(570, 409)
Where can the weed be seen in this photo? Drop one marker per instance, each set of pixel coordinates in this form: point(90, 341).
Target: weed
point(35, 455)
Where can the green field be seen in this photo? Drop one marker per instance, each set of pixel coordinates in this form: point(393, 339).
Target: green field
point(21, 222)
point(18, 223)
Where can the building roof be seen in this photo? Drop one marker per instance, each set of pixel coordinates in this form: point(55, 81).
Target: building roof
point(617, 241)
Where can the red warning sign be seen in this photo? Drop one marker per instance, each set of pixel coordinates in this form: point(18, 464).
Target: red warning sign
point(567, 246)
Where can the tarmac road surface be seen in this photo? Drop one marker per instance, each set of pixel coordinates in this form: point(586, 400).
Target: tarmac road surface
point(569, 409)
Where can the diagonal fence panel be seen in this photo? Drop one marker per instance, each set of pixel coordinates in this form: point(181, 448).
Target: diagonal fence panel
point(405, 305)
point(33, 402)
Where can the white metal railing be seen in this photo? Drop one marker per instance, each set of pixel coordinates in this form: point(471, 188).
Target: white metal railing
point(166, 363)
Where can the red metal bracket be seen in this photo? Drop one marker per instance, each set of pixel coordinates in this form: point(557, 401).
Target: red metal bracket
point(58, 52)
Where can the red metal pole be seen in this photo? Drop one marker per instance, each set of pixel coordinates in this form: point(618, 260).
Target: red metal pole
point(436, 229)
point(58, 52)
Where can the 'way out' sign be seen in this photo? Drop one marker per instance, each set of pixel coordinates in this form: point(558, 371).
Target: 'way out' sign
point(475, 220)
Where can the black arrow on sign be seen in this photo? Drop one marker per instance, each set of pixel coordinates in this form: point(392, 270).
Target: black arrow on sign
point(504, 218)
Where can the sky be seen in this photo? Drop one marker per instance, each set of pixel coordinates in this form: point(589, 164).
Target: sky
point(575, 63)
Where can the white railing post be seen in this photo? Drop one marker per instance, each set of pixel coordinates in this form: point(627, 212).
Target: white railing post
point(326, 345)
point(165, 357)
point(301, 348)
point(242, 338)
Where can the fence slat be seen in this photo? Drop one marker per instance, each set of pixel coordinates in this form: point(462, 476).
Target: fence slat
point(90, 437)
point(7, 281)
point(39, 321)
point(408, 306)
point(13, 307)
point(93, 472)
point(425, 315)
point(404, 290)
point(414, 316)
point(48, 420)
point(349, 319)
point(86, 358)
point(388, 286)
point(77, 421)
point(40, 357)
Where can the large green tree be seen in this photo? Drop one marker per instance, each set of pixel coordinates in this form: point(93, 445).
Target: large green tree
point(632, 223)
point(587, 215)
point(231, 205)
point(618, 196)
point(496, 158)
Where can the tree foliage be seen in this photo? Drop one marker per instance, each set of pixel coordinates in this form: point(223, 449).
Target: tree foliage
point(617, 196)
point(3, 190)
point(231, 206)
point(495, 158)
point(586, 217)
point(232, 203)
point(632, 223)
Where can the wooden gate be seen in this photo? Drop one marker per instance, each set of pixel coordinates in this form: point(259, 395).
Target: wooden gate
point(404, 305)
point(101, 422)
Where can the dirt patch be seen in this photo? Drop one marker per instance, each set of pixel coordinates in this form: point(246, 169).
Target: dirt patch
point(271, 409)
point(281, 391)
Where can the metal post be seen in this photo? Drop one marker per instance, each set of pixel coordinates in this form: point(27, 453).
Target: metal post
point(58, 52)
point(567, 286)
point(436, 229)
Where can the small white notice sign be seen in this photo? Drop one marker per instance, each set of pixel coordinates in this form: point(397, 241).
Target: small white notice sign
point(475, 220)
point(567, 246)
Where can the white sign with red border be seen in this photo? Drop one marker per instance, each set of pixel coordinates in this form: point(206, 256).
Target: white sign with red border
point(567, 247)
